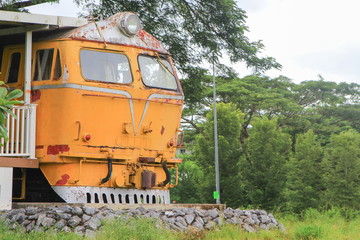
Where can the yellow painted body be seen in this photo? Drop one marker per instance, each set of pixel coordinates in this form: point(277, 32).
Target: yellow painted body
point(124, 127)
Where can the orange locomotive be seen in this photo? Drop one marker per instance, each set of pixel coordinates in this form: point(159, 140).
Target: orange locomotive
point(108, 112)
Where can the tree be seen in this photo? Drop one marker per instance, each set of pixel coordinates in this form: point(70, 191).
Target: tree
point(195, 33)
point(259, 96)
point(6, 103)
point(304, 186)
point(229, 122)
point(262, 167)
point(191, 180)
point(342, 165)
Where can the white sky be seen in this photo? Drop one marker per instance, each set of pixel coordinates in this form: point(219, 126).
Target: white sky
point(308, 37)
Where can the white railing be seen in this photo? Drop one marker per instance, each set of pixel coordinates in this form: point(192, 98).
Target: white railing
point(21, 133)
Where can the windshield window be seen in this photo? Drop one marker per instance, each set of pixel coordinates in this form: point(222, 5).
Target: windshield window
point(157, 72)
point(105, 66)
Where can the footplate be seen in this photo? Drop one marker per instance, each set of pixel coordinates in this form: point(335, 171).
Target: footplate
point(112, 195)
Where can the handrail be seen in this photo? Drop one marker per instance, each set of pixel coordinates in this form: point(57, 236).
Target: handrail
point(21, 133)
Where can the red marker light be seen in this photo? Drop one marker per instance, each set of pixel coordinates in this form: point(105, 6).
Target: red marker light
point(87, 137)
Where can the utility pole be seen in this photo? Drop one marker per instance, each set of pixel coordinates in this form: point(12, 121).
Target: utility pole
point(217, 180)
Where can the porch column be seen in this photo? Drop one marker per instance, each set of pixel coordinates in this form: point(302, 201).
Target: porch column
point(27, 72)
point(6, 183)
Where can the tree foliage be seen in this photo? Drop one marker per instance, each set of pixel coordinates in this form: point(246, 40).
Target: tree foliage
point(193, 30)
point(342, 175)
point(304, 184)
point(229, 120)
point(263, 165)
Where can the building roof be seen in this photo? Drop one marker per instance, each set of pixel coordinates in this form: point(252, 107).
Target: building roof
point(18, 22)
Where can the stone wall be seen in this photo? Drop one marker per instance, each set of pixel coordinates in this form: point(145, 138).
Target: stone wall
point(85, 220)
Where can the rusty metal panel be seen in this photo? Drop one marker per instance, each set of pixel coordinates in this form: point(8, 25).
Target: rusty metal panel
point(109, 31)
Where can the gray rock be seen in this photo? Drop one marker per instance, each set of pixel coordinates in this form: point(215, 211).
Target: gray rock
point(254, 216)
point(247, 213)
point(154, 214)
point(264, 219)
point(238, 212)
point(218, 221)
point(61, 215)
point(77, 211)
point(179, 212)
point(181, 220)
point(233, 220)
point(169, 213)
point(30, 226)
point(173, 226)
point(34, 217)
point(200, 212)
point(273, 220)
point(32, 210)
point(271, 226)
point(249, 221)
point(40, 219)
point(38, 228)
point(90, 233)
point(20, 217)
point(210, 225)
point(60, 224)
point(169, 220)
point(65, 209)
point(213, 213)
point(281, 227)
point(263, 226)
point(85, 217)
point(26, 222)
point(228, 213)
point(79, 230)
point(248, 228)
point(102, 217)
point(89, 210)
point(189, 218)
point(199, 220)
point(197, 225)
point(262, 212)
point(74, 221)
point(93, 223)
point(66, 229)
point(48, 222)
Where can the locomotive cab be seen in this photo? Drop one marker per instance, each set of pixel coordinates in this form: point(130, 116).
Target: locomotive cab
point(108, 107)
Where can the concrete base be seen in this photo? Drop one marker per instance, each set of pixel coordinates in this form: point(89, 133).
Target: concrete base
point(6, 175)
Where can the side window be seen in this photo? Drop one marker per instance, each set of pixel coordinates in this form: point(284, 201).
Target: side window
point(57, 69)
point(44, 65)
point(14, 68)
point(157, 72)
point(105, 66)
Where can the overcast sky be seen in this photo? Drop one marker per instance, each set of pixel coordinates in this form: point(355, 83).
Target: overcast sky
point(308, 37)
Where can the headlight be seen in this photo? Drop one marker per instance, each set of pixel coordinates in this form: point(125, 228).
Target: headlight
point(130, 24)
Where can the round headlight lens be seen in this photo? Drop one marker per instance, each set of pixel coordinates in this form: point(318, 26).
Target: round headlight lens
point(130, 24)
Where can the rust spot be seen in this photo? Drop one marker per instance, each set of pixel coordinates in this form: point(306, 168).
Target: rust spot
point(35, 95)
point(56, 149)
point(162, 130)
point(39, 146)
point(63, 180)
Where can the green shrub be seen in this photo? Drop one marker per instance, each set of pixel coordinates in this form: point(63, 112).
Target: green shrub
point(308, 232)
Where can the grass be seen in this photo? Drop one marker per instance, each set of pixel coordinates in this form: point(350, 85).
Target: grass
point(311, 225)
